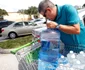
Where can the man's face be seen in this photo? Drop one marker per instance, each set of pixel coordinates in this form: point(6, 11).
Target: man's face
point(48, 13)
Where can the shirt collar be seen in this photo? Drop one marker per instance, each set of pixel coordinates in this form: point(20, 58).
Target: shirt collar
point(58, 13)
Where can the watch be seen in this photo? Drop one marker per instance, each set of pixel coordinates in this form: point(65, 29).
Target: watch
point(57, 26)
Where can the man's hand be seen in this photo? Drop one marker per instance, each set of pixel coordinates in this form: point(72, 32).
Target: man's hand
point(51, 24)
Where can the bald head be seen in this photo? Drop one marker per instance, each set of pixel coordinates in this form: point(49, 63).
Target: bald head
point(44, 4)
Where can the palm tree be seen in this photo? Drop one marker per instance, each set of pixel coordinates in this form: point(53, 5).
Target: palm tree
point(3, 12)
point(31, 11)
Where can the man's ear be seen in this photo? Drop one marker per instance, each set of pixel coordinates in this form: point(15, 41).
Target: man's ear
point(48, 9)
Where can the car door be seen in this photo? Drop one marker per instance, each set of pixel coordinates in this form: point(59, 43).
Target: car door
point(19, 28)
point(30, 26)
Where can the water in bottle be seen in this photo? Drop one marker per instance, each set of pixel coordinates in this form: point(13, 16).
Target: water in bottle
point(43, 65)
point(50, 41)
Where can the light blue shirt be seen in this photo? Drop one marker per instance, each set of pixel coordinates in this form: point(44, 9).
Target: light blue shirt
point(68, 15)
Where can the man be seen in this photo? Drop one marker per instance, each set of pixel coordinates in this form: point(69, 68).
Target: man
point(66, 19)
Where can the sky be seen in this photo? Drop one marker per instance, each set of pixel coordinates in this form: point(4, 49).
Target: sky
point(15, 5)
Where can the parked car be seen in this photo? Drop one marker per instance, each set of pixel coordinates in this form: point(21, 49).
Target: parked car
point(4, 23)
point(38, 21)
point(19, 28)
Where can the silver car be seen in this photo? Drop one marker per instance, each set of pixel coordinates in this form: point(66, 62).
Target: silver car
point(19, 28)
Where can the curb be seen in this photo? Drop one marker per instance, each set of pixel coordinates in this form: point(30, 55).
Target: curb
point(5, 51)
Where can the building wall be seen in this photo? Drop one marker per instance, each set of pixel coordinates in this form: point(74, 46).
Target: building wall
point(13, 16)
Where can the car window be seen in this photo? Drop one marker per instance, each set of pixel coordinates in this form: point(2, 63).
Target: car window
point(37, 20)
point(18, 24)
point(26, 23)
point(10, 22)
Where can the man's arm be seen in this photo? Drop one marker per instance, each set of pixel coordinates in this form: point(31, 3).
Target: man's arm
point(69, 29)
point(74, 29)
point(73, 26)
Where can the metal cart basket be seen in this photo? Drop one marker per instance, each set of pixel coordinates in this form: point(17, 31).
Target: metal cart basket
point(27, 55)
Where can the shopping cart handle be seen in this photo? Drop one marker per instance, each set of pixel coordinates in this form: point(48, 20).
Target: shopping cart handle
point(14, 51)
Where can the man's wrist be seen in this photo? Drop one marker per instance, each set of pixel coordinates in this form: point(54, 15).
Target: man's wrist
point(58, 26)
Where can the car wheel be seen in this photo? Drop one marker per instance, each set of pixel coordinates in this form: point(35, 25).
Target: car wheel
point(12, 35)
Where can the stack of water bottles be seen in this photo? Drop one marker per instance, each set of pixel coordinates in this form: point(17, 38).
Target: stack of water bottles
point(73, 61)
point(49, 53)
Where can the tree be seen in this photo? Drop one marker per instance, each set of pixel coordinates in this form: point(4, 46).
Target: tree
point(3, 12)
point(30, 11)
point(21, 11)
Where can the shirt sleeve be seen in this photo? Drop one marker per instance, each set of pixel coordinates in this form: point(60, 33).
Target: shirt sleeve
point(71, 15)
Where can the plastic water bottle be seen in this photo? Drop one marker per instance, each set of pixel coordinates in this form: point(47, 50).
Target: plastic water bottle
point(78, 65)
point(62, 60)
point(81, 57)
point(60, 67)
point(49, 53)
point(63, 63)
point(50, 43)
point(43, 65)
point(71, 56)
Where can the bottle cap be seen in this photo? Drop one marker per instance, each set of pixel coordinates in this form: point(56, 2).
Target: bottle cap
point(62, 56)
point(71, 51)
point(81, 52)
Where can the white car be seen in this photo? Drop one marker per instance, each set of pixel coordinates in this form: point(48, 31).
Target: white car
point(81, 14)
point(38, 21)
point(19, 28)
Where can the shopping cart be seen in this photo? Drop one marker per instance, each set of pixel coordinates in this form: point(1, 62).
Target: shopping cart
point(27, 55)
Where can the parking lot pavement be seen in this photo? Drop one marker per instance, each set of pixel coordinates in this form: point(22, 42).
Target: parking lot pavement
point(2, 39)
point(8, 62)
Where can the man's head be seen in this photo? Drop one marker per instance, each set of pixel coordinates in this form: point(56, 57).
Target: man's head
point(47, 9)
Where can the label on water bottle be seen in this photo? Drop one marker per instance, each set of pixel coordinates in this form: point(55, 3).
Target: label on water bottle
point(50, 35)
